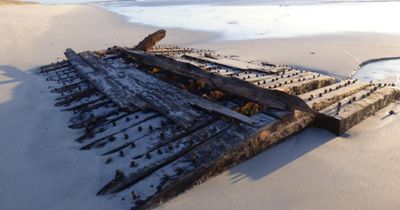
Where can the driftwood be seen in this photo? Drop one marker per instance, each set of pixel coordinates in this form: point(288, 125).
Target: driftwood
point(150, 41)
point(270, 98)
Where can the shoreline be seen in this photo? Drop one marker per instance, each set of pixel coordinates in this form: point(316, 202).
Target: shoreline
point(282, 54)
point(336, 54)
point(364, 63)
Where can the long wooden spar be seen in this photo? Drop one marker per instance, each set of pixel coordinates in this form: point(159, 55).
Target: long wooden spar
point(270, 98)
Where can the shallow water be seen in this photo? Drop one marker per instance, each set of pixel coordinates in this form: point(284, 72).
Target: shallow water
point(380, 71)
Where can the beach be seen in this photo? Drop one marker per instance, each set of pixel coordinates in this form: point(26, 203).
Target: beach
point(41, 166)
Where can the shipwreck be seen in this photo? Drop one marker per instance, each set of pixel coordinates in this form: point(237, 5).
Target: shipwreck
point(166, 118)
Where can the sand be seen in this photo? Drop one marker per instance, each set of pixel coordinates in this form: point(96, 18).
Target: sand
point(13, 2)
point(337, 54)
point(42, 168)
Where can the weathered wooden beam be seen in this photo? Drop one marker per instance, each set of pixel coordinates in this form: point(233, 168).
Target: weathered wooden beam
point(223, 111)
point(103, 83)
point(54, 66)
point(156, 94)
point(151, 40)
point(270, 98)
point(75, 96)
point(338, 118)
point(321, 98)
point(230, 63)
point(65, 88)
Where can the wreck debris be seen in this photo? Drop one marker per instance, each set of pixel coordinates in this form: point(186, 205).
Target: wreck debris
point(151, 40)
point(270, 98)
point(169, 118)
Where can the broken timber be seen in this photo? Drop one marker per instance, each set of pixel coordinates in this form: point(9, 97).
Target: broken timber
point(160, 132)
point(151, 40)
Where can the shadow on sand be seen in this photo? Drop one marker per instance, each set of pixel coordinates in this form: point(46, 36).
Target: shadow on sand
point(280, 155)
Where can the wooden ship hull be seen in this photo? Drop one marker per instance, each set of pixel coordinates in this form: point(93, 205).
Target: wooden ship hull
point(165, 118)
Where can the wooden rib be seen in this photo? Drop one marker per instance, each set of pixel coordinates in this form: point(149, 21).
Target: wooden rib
point(86, 105)
point(161, 137)
point(171, 152)
point(75, 96)
point(120, 130)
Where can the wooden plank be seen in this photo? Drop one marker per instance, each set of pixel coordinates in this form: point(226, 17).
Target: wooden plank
point(230, 63)
point(356, 108)
point(307, 85)
point(270, 98)
point(321, 98)
point(158, 95)
point(223, 111)
point(103, 83)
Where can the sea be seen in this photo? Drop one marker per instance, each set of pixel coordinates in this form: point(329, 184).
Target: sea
point(257, 19)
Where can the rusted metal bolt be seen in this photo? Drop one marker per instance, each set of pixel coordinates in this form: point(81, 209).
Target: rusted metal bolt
point(111, 138)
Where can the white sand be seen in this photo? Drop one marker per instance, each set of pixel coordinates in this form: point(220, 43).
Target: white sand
point(41, 167)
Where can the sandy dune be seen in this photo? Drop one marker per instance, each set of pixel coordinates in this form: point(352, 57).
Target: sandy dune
point(41, 167)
